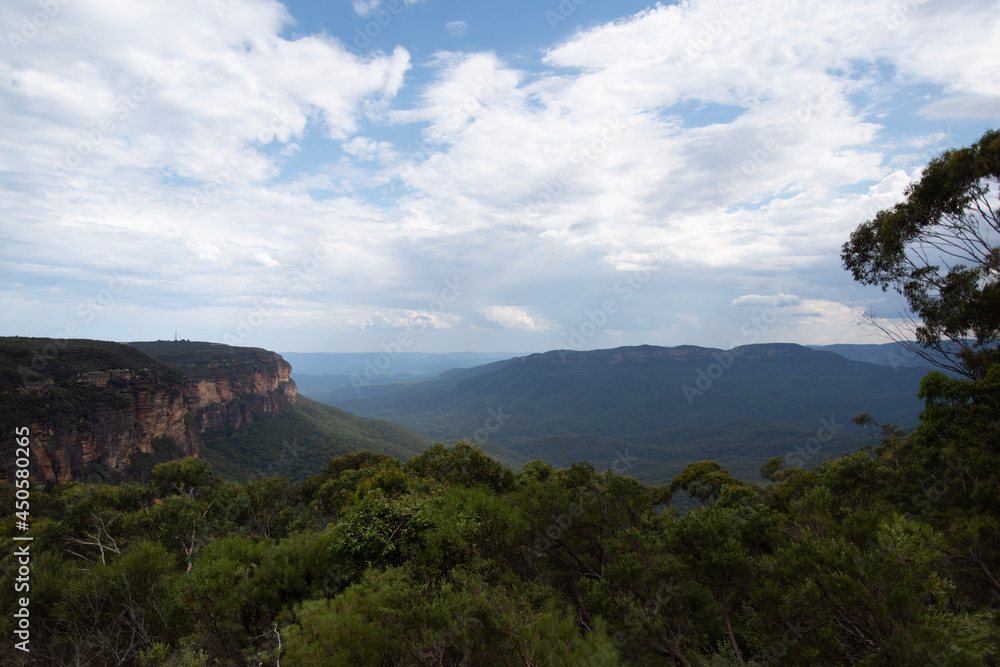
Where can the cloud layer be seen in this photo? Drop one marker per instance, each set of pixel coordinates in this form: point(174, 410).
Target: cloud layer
point(236, 171)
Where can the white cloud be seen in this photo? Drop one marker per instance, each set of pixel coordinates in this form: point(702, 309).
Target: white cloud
point(263, 258)
point(466, 87)
point(824, 322)
point(364, 8)
point(410, 319)
point(202, 250)
point(510, 317)
point(932, 139)
point(365, 148)
point(161, 141)
point(189, 106)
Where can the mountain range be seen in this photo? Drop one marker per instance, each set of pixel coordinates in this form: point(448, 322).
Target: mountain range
point(648, 411)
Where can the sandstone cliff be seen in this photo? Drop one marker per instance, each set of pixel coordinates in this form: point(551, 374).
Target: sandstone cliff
point(93, 404)
point(134, 408)
point(227, 386)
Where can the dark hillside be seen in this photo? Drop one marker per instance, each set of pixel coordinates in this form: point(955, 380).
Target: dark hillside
point(666, 406)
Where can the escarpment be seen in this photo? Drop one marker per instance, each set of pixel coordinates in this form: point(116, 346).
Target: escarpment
point(227, 386)
point(94, 405)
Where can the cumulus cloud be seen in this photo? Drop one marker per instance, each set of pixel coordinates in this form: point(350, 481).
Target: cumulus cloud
point(510, 317)
point(365, 148)
point(161, 145)
point(265, 259)
point(413, 320)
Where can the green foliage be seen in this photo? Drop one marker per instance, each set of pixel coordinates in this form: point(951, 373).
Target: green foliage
point(183, 476)
point(116, 611)
point(714, 550)
point(869, 559)
point(463, 464)
point(386, 479)
point(948, 220)
point(355, 461)
point(854, 479)
point(297, 568)
point(960, 431)
point(25, 361)
point(573, 519)
point(270, 506)
point(874, 592)
point(199, 359)
point(301, 442)
point(467, 525)
point(388, 619)
point(654, 611)
point(142, 464)
point(185, 655)
point(535, 471)
point(377, 532)
point(703, 481)
point(219, 591)
point(774, 469)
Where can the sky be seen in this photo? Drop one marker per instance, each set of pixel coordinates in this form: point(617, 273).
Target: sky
point(437, 176)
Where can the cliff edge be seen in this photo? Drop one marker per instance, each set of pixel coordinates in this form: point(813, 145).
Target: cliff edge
point(95, 404)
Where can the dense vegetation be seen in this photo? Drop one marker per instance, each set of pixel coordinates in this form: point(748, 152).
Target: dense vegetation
point(883, 557)
point(27, 361)
point(199, 360)
point(301, 442)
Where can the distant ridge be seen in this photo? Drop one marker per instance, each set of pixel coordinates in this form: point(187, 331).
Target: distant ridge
point(654, 408)
point(895, 355)
point(618, 355)
point(680, 353)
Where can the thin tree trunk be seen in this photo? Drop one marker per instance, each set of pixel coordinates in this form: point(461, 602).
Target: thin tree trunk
point(729, 626)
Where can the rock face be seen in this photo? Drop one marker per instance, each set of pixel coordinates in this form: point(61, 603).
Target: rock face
point(81, 418)
point(234, 391)
point(132, 408)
